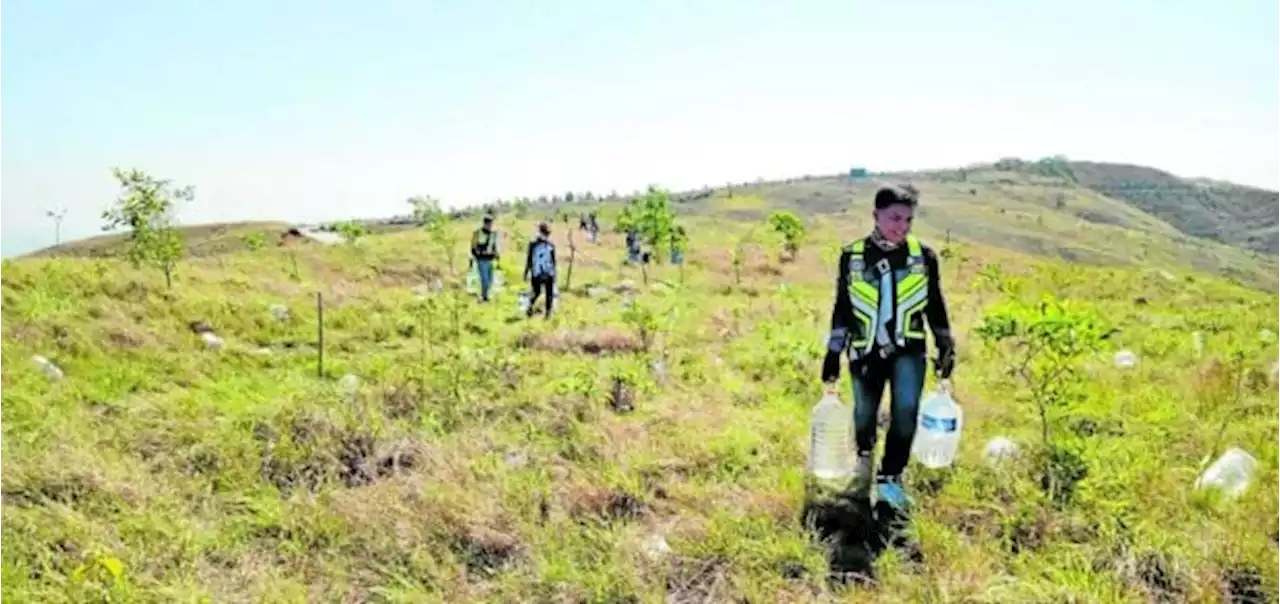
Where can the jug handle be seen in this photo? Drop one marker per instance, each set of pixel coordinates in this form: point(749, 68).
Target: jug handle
point(945, 384)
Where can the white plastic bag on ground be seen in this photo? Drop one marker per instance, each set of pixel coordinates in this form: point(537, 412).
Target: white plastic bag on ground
point(49, 368)
point(1231, 473)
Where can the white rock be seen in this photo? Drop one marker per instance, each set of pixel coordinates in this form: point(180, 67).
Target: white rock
point(516, 459)
point(350, 384)
point(999, 449)
point(1126, 359)
point(211, 340)
point(280, 312)
point(656, 547)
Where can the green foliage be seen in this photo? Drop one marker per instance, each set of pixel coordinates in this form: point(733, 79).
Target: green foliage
point(792, 230)
point(351, 231)
point(146, 207)
point(655, 220)
point(255, 241)
point(436, 222)
point(1047, 343)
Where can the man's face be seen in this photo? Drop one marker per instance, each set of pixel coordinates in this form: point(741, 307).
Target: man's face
point(895, 222)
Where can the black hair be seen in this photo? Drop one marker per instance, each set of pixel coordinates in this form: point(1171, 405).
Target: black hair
point(544, 228)
point(889, 195)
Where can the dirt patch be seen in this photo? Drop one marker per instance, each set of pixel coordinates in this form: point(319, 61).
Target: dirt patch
point(400, 274)
point(315, 452)
point(124, 338)
point(486, 551)
point(696, 580)
point(606, 506)
point(597, 342)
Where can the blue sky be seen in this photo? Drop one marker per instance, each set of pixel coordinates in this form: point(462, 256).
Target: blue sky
point(285, 109)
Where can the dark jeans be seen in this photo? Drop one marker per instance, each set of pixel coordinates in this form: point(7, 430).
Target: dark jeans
point(485, 269)
point(538, 284)
point(905, 375)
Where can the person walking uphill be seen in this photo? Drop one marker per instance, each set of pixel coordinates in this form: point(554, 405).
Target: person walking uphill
point(484, 253)
point(540, 269)
point(888, 286)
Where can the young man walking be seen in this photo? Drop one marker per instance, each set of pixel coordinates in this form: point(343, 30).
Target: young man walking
point(540, 269)
point(484, 253)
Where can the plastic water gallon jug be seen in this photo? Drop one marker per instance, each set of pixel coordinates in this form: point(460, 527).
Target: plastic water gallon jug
point(831, 439)
point(523, 301)
point(473, 281)
point(1231, 474)
point(938, 429)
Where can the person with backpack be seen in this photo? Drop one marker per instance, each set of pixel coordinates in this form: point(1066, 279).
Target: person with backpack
point(888, 286)
point(540, 269)
point(484, 254)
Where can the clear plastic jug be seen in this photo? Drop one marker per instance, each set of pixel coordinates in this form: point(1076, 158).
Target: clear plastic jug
point(473, 281)
point(938, 428)
point(523, 301)
point(831, 439)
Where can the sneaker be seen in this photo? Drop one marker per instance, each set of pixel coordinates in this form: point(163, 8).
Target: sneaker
point(889, 490)
point(862, 475)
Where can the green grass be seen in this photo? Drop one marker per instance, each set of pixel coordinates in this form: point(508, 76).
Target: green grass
point(484, 462)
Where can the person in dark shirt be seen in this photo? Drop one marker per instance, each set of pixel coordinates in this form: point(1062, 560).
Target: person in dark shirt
point(888, 286)
point(540, 269)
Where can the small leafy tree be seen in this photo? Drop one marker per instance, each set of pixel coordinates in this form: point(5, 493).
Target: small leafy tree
point(351, 231)
point(255, 241)
point(788, 225)
point(1047, 343)
point(146, 207)
point(656, 221)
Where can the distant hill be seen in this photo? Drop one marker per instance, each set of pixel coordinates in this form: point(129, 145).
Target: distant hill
point(1238, 215)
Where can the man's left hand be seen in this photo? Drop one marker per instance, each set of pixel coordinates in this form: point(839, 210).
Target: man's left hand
point(946, 361)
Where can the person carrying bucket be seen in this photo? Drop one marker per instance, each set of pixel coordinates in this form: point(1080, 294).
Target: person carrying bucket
point(888, 286)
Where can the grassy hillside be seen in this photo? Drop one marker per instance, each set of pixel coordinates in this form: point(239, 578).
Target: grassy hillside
point(200, 240)
point(1087, 212)
point(1245, 217)
point(1016, 210)
point(486, 458)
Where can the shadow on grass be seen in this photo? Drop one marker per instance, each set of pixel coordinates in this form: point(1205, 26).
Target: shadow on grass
point(856, 533)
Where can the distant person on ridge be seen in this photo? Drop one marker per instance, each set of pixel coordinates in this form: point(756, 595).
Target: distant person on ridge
point(540, 269)
point(888, 285)
point(679, 241)
point(484, 253)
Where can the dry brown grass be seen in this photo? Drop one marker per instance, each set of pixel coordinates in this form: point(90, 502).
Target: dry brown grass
point(597, 342)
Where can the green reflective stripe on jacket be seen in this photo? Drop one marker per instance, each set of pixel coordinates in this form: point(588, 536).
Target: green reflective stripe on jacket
point(484, 243)
point(911, 295)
